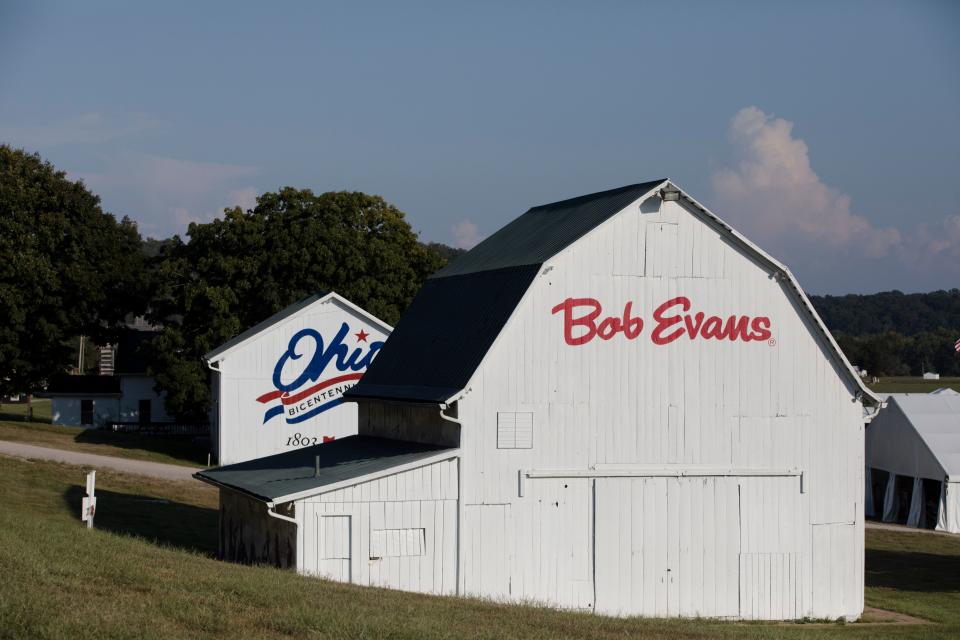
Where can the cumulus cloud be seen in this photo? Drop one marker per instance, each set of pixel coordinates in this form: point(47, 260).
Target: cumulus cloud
point(776, 198)
point(777, 194)
point(465, 235)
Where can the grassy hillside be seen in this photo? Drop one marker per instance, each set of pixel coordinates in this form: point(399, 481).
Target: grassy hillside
point(147, 572)
point(180, 451)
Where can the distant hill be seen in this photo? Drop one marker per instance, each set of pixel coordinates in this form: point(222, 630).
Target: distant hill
point(905, 313)
point(894, 333)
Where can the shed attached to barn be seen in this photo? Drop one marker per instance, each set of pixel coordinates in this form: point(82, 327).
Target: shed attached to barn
point(913, 461)
point(632, 410)
point(278, 386)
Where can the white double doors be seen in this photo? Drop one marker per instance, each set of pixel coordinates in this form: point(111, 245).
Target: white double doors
point(667, 546)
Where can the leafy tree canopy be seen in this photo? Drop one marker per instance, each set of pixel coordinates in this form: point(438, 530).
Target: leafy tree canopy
point(236, 271)
point(66, 268)
point(906, 313)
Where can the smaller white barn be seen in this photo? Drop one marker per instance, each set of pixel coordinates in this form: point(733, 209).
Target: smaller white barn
point(278, 386)
point(929, 375)
point(913, 461)
point(126, 396)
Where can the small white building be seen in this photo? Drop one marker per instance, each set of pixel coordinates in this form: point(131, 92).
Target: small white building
point(99, 400)
point(913, 461)
point(278, 386)
point(931, 376)
point(615, 403)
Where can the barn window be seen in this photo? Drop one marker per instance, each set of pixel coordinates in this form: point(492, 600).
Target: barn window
point(397, 543)
point(514, 430)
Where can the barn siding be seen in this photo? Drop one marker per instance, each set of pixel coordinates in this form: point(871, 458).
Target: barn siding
point(246, 373)
point(398, 531)
point(688, 404)
point(249, 536)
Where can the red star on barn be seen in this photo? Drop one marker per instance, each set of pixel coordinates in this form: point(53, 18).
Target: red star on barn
point(362, 336)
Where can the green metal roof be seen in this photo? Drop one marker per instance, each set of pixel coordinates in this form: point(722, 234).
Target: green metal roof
point(544, 231)
point(454, 319)
point(294, 472)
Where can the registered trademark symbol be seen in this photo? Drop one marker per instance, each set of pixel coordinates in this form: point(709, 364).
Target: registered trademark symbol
point(772, 342)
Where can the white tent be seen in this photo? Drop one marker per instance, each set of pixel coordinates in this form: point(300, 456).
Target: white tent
point(913, 461)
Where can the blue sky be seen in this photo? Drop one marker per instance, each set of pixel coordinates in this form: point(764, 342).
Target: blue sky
point(826, 131)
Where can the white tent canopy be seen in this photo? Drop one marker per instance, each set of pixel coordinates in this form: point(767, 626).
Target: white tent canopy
point(917, 437)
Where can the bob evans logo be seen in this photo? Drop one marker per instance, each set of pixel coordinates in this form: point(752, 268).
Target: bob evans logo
point(672, 320)
point(305, 387)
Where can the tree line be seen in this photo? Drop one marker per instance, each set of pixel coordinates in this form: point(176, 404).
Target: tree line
point(67, 269)
point(896, 334)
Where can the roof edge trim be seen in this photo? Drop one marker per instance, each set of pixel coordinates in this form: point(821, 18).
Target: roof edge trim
point(794, 286)
point(245, 336)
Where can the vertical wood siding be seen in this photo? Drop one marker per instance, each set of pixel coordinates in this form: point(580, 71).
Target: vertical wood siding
point(246, 373)
point(399, 531)
point(249, 536)
point(691, 403)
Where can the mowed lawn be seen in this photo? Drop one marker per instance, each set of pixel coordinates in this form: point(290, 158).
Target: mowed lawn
point(18, 410)
point(147, 572)
point(173, 450)
point(913, 385)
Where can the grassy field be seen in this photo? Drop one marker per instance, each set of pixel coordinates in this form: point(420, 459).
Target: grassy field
point(121, 445)
point(913, 385)
point(147, 572)
point(18, 410)
point(171, 450)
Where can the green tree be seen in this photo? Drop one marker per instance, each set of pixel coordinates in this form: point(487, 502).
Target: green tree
point(66, 269)
point(236, 271)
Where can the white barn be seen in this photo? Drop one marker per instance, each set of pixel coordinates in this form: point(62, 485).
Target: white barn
point(913, 461)
point(278, 386)
point(616, 403)
point(127, 395)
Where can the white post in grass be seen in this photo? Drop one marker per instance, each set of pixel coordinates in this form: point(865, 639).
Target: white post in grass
point(90, 501)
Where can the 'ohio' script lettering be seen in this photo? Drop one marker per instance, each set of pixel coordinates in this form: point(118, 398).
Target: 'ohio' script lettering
point(336, 352)
point(672, 319)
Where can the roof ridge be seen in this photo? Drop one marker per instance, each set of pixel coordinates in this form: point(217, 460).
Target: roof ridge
point(569, 202)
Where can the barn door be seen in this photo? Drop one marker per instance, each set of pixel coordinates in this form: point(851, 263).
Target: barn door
point(333, 547)
point(631, 540)
point(667, 546)
point(705, 522)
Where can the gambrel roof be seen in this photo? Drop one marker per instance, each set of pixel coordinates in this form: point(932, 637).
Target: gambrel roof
point(454, 319)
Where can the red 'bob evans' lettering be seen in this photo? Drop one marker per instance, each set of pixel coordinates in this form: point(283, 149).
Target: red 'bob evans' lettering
point(672, 319)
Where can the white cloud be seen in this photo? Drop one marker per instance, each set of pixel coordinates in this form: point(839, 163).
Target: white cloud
point(776, 195)
point(776, 198)
point(84, 128)
point(465, 234)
